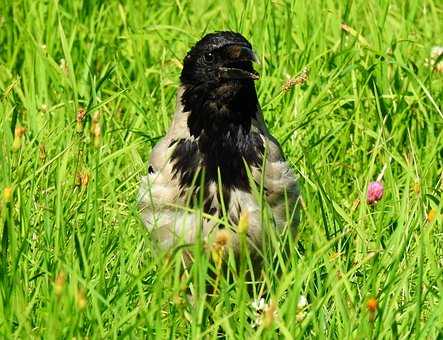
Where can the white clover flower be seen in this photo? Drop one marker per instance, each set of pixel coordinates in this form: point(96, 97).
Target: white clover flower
point(259, 304)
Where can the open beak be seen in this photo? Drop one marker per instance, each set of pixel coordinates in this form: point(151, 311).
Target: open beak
point(237, 73)
point(239, 54)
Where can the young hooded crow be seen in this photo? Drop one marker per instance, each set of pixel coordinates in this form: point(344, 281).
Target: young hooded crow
point(217, 154)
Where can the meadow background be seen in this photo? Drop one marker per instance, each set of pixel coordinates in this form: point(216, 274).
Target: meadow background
point(87, 87)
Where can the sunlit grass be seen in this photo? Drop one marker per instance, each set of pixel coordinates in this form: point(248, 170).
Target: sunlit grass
point(75, 260)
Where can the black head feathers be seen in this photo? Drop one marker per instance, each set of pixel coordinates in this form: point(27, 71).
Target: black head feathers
point(217, 57)
point(220, 100)
point(218, 80)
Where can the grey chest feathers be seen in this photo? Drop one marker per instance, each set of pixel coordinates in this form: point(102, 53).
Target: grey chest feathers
point(221, 159)
point(184, 177)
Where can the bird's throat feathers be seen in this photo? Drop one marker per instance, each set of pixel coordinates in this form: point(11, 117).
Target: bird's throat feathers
point(217, 109)
point(221, 138)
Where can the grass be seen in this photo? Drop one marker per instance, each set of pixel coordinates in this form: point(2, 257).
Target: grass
point(75, 260)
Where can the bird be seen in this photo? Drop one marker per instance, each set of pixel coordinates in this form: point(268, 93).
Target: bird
point(215, 152)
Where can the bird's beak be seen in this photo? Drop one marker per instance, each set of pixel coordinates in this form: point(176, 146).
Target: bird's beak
point(237, 73)
point(239, 54)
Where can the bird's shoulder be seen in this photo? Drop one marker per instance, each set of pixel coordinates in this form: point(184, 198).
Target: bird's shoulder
point(278, 174)
point(273, 149)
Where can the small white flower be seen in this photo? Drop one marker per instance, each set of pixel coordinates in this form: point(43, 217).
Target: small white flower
point(259, 305)
point(302, 302)
point(265, 313)
point(436, 52)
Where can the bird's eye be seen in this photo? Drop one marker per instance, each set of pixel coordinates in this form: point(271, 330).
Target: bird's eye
point(208, 57)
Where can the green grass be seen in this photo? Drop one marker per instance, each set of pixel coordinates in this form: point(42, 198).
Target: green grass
point(75, 260)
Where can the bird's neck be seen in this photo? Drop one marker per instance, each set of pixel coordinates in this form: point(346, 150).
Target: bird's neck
point(221, 110)
point(220, 121)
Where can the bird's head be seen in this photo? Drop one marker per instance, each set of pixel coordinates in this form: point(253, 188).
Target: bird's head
point(218, 81)
point(219, 58)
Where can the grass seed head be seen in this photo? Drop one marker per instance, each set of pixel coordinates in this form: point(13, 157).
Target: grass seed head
point(243, 223)
point(19, 131)
point(59, 283)
point(355, 204)
point(81, 299)
point(372, 305)
point(96, 129)
point(18, 134)
point(82, 178)
point(431, 215)
point(44, 108)
point(42, 152)
point(416, 186)
point(16, 144)
point(81, 115)
point(300, 79)
point(63, 66)
point(270, 314)
point(222, 238)
point(300, 316)
point(7, 194)
point(80, 118)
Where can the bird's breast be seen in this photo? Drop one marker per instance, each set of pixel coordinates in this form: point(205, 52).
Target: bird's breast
point(216, 158)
